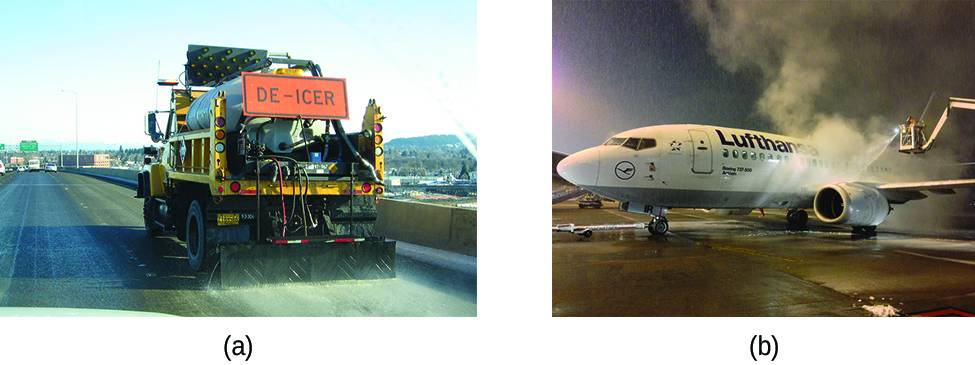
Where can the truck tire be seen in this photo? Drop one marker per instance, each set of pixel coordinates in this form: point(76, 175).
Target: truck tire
point(149, 208)
point(198, 250)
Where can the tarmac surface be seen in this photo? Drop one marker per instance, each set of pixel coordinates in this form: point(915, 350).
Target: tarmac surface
point(713, 265)
point(72, 241)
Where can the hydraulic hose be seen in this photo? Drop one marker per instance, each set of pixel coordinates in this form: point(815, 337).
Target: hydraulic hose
point(355, 152)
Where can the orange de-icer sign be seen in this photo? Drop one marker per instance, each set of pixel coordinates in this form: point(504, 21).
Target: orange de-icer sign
point(284, 96)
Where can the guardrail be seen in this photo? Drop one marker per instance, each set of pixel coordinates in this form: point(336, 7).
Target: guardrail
point(445, 228)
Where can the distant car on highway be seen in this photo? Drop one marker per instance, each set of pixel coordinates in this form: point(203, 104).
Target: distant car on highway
point(34, 165)
point(50, 167)
point(21, 168)
point(3, 169)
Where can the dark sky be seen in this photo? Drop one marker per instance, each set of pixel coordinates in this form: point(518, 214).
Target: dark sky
point(832, 72)
point(621, 65)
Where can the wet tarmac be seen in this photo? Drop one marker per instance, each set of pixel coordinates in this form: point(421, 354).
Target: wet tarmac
point(71, 241)
point(712, 265)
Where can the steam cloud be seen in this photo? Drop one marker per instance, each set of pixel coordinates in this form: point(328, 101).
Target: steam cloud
point(844, 74)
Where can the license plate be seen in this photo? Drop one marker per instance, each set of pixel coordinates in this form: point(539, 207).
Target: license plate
point(228, 219)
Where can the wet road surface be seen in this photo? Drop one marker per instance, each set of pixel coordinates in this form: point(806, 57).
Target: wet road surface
point(71, 241)
point(711, 265)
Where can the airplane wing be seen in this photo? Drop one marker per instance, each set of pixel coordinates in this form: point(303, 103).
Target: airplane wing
point(902, 192)
point(556, 158)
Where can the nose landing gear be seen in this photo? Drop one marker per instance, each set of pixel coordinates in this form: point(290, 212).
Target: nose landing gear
point(658, 226)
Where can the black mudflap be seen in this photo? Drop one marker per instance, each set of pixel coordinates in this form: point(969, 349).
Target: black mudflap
point(260, 264)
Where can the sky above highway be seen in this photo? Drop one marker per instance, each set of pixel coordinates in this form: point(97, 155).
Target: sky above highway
point(845, 73)
point(417, 60)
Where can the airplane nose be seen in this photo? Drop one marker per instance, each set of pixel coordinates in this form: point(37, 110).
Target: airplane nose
point(580, 168)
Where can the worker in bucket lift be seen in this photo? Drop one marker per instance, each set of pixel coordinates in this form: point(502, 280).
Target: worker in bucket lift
point(913, 128)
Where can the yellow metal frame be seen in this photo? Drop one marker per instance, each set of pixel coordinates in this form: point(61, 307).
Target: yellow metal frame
point(219, 172)
point(203, 164)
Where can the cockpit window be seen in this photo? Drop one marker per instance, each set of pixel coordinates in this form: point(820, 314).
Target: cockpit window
point(632, 143)
point(615, 141)
point(647, 143)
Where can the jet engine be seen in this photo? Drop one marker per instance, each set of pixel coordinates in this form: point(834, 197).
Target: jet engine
point(855, 204)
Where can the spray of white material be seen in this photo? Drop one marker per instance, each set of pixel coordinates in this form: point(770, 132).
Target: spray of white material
point(881, 310)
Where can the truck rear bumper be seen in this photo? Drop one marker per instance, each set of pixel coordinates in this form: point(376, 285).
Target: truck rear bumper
point(260, 264)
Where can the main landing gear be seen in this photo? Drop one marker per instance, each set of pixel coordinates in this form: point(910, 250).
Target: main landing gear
point(865, 231)
point(797, 219)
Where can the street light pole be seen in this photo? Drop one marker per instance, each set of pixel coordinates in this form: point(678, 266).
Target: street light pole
point(77, 153)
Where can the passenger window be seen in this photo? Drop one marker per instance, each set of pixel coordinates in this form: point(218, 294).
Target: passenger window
point(615, 141)
point(632, 143)
point(761, 156)
point(753, 156)
point(647, 143)
point(734, 153)
point(724, 152)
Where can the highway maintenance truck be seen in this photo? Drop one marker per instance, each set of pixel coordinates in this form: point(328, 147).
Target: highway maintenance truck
point(254, 170)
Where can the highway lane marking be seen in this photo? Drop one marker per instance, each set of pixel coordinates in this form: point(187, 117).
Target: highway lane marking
point(957, 261)
point(45, 184)
point(11, 260)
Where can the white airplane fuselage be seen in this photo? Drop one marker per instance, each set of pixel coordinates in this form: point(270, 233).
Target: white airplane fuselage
point(702, 166)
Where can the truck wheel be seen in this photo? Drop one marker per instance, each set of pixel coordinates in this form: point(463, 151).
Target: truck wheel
point(197, 248)
point(149, 208)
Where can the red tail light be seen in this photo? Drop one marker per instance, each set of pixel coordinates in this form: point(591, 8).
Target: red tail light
point(366, 188)
point(235, 187)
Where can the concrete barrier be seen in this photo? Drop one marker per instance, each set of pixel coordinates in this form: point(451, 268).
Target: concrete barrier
point(445, 228)
point(119, 176)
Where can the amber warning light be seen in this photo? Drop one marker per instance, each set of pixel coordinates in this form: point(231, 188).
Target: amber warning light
point(284, 96)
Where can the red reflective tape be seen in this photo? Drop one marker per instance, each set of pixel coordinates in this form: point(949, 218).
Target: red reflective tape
point(344, 240)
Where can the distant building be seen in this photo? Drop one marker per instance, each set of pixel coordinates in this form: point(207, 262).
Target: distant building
point(103, 160)
point(15, 160)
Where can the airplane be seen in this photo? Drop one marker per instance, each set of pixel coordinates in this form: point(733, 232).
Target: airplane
point(653, 169)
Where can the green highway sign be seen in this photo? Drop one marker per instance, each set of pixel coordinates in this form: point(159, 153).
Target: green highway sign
point(28, 146)
point(3, 147)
